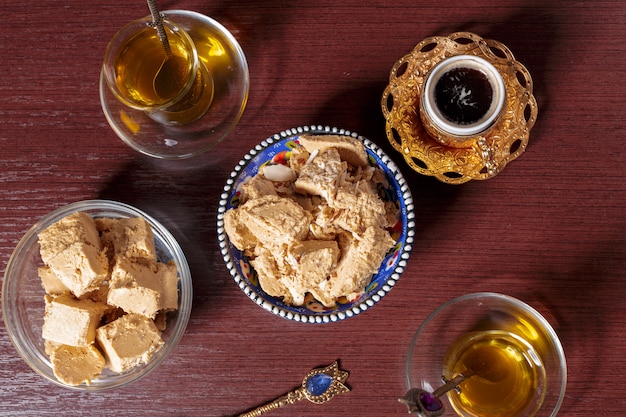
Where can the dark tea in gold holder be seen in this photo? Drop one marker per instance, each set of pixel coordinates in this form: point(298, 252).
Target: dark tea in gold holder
point(459, 107)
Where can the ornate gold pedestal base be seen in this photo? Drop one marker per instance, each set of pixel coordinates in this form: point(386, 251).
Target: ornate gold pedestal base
point(506, 140)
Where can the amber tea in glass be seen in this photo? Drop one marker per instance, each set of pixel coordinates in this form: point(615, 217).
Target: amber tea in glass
point(504, 375)
point(485, 355)
point(174, 89)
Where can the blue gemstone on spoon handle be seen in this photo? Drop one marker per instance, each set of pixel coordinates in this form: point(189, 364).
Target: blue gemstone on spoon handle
point(318, 384)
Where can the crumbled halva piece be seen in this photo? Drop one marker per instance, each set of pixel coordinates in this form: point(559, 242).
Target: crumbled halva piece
point(257, 187)
point(299, 157)
point(73, 365)
point(238, 231)
point(360, 259)
point(130, 238)
point(129, 341)
point(350, 149)
point(346, 238)
point(322, 175)
point(275, 220)
point(297, 270)
point(358, 208)
point(315, 260)
point(269, 271)
point(323, 225)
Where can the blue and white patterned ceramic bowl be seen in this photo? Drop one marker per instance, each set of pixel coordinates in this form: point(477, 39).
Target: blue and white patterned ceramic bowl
point(277, 148)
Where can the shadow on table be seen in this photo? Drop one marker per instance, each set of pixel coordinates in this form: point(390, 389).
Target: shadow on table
point(261, 35)
point(184, 198)
point(531, 33)
point(590, 294)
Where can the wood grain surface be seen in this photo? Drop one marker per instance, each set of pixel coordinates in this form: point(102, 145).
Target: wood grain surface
point(550, 229)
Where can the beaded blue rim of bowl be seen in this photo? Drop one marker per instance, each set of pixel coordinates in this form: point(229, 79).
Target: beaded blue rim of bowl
point(273, 149)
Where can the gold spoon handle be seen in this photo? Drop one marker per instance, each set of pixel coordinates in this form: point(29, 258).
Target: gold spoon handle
point(157, 19)
point(289, 398)
point(318, 386)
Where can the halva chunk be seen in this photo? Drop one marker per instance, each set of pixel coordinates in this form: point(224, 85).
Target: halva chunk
point(73, 365)
point(275, 220)
point(50, 282)
point(77, 227)
point(129, 341)
point(361, 259)
point(71, 248)
point(70, 321)
point(257, 187)
point(143, 289)
point(131, 238)
point(350, 149)
point(322, 175)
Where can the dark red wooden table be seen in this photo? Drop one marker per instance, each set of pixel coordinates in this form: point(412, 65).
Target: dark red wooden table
point(550, 229)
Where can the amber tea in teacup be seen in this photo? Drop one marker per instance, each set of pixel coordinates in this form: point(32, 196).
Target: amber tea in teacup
point(504, 375)
point(174, 88)
point(485, 355)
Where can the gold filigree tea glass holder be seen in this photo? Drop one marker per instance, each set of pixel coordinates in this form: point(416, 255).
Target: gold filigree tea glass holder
point(432, 148)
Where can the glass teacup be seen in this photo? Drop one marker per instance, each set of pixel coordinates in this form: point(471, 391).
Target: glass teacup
point(170, 84)
point(488, 355)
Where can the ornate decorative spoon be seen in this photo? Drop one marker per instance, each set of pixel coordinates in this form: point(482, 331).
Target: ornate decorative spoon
point(318, 386)
point(427, 404)
point(157, 20)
